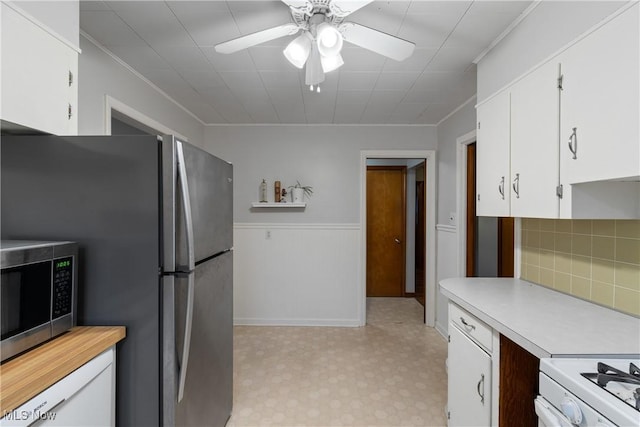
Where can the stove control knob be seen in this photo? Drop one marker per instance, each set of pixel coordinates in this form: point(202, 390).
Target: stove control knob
point(571, 410)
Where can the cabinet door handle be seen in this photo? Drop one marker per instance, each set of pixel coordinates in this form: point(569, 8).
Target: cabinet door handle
point(573, 143)
point(397, 240)
point(481, 383)
point(516, 185)
point(501, 188)
point(464, 322)
point(69, 112)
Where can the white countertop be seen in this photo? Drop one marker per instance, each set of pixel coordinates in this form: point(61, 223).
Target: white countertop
point(545, 322)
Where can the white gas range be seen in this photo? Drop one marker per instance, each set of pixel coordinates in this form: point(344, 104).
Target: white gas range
point(597, 392)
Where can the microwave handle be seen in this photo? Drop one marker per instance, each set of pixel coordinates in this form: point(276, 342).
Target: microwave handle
point(186, 206)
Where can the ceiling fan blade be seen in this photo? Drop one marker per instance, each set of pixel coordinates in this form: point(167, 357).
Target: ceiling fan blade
point(296, 3)
point(376, 41)
point(253, 39)
point(343, 8)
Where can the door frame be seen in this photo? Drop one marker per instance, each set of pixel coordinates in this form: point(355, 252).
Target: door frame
point(111, 104)
point(461, 190)
point(430, 227)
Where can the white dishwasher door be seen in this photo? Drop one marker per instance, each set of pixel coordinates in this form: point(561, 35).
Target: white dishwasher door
point(84, 398)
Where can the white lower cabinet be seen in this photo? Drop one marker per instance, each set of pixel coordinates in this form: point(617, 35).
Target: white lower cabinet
point(84, 398)
point(470, 371)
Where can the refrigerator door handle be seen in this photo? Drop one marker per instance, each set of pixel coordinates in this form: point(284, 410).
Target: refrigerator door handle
point(182, 375)
point(186, 205)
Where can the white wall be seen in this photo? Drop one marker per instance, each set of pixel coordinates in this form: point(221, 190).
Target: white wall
point(324, 157)
point(447, 266)
point(101, 76)
point(62, 17)
point(459, 124)
point(549, 27)
point(302, 267)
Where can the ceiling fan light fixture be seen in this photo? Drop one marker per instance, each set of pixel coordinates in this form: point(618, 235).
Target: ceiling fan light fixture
point(331, 63)
point(298, 50)
point(329, 39)
point(314, 74)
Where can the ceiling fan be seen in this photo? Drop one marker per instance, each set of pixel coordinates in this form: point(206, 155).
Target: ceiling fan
point(323, 32)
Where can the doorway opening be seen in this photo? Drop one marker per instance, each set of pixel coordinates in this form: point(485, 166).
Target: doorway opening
point(125, 125)
point(121, 119)
point(397, 212)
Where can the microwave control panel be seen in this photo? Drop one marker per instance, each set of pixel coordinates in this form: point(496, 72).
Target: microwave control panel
point(62, 286)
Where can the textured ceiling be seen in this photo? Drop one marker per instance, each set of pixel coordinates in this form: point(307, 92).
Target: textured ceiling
point(172, 44)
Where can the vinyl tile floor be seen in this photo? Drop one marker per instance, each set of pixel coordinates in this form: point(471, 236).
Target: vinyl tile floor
point(390, 372)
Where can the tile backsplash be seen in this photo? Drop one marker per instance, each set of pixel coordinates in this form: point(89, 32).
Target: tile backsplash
point(597, 260)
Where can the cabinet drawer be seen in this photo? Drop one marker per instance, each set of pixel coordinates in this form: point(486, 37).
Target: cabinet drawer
point(472, 326)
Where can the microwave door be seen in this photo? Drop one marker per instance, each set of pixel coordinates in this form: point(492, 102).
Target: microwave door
point(25, 295)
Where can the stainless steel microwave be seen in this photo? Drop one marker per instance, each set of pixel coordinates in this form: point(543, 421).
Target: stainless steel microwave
point(38, 292)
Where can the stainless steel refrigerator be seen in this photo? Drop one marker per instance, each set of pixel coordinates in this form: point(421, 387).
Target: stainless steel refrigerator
point(153, 219)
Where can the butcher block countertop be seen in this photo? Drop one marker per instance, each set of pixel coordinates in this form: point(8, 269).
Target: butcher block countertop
point(545, 322)
point(27, 375)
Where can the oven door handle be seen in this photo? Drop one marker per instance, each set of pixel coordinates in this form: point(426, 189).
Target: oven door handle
point(548, 415)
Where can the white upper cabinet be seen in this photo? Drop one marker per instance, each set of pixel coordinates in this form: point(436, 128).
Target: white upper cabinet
point(492, 157)
point(599, 126)
point(534, 144)
point(574, 131)
point(39, 76)
point(599, 137)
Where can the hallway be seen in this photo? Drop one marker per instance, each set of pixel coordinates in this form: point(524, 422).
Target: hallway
point(389, 373)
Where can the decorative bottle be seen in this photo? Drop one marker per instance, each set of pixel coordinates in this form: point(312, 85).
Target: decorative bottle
point(277, 191)
point(263, 191)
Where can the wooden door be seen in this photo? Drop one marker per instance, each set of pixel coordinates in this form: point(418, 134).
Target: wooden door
point(471, 210)
point(506, 231)
point(386, 215)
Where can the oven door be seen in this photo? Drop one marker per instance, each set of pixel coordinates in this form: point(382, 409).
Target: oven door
point(548, 416)
point(558, 407)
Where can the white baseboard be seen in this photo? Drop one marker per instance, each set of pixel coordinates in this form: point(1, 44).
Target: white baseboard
point(350, 323)
point(442, 331)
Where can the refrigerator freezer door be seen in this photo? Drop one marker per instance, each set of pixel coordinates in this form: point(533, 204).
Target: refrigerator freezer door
point(210, 186)
point(208, 390)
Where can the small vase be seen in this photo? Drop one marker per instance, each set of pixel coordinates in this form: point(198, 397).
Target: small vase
point(297, 195)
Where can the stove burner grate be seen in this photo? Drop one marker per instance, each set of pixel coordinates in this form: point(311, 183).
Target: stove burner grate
point(607, 374)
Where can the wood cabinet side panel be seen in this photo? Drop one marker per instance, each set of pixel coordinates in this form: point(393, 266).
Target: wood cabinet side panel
point(519, 378)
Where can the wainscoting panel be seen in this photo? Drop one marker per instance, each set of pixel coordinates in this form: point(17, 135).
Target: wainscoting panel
point(296, 274)
point(447, 266)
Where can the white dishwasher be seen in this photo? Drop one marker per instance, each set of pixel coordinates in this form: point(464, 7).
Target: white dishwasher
point(85, 397)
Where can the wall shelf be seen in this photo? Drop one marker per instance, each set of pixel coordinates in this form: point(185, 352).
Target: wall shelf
point(277, 205)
